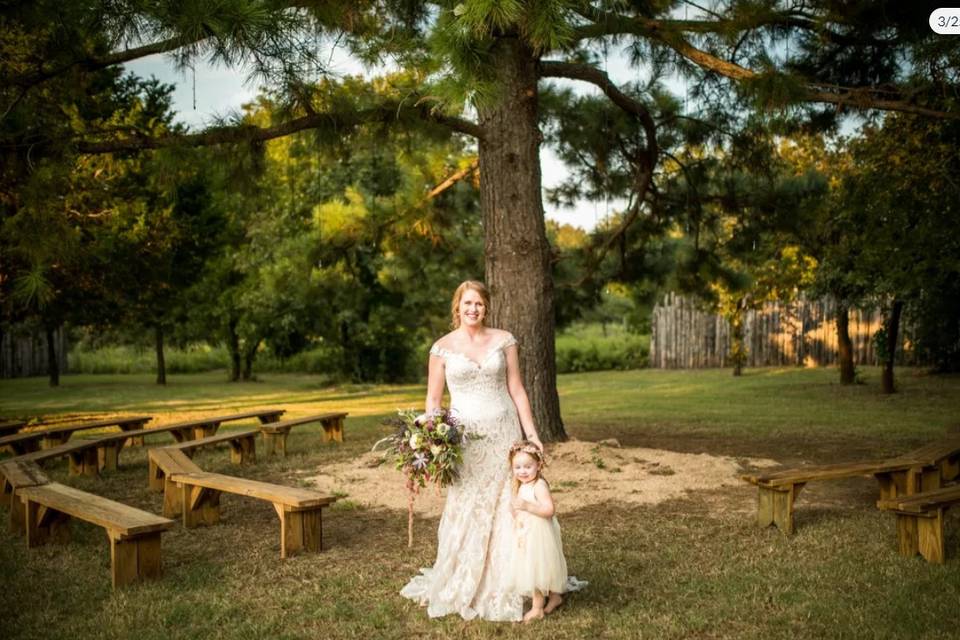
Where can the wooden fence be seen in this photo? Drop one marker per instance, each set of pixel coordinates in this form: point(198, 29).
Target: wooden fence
point(802, 333)
point(23, 352)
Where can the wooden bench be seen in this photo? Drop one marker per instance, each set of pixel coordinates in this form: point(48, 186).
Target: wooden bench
point(243, 445)
point(922, 469)
point(183, 432)
point(15, 476)
point(299, 509)
point(920, 521)
point(81, 453)
point(134, 534)
point(164, 462)
point(28, 441)
point(275, 434)
point(8, 427)
point(242, 451)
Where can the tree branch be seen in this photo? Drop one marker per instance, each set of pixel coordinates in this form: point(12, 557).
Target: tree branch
point(332, 123)
point(587, 73)
point(101, 62)
point(645, 164)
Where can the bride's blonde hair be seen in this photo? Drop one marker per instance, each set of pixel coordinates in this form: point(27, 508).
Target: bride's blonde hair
point(527, 447)
point(467, 285)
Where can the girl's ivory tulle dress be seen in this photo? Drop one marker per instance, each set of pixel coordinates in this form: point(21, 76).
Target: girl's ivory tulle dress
point(538, 562)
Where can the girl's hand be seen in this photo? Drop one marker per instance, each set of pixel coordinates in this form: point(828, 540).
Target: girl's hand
point(518, 504)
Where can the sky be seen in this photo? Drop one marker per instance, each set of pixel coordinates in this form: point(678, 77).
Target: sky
point(215, 90)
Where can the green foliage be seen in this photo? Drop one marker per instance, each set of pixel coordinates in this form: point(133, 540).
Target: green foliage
point(590, 348)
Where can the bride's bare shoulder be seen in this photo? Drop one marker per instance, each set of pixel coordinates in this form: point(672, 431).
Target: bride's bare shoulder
point(445, 341)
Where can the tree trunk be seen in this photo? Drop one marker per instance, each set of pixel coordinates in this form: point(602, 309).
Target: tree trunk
point(233, 344)
point(517, 254)
point(892, 337)
point(161, 361)
point(249, 354)
point(738, 350)
point(844, 344)
point(53, 365)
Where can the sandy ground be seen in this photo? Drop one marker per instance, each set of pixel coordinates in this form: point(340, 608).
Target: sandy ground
point(579, 473)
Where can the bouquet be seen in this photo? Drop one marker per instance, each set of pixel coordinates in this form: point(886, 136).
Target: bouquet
point(428, 450)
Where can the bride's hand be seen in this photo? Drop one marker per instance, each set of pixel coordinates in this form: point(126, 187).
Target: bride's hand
point(536, 441)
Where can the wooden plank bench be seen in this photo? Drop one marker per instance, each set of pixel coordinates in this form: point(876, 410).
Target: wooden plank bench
point(242, 451)
point(8, 427)
point(920, 521)
point(243, 447)
point(28, 441)
point(164, 462)
point(922, 469)
point(275, 434)
point(15, 475)
point(134, 534)
point(299, 510)
point(81, 453)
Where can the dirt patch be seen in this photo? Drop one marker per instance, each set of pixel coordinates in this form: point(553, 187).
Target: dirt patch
point(580, 474)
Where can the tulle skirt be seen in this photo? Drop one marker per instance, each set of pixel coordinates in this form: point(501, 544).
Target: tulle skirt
point(538, 563)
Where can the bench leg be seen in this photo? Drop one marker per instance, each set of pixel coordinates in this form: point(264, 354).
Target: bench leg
point(273, 417)
point(275, 443)
point(333, 430)
point(775, 506)
point(244, 451)
point(182, 435)
point(48, 442)
point(18, 521)
point(907, 540)
point(950, 469)
point(201, 506)
point(84, 462)
point(134, 559)
point(134, 426)
point(172, 499)
point(205, 430)
point(930, 537)
point(44, 525)
point(299, 530)
point(155, 476)
point(108, 456)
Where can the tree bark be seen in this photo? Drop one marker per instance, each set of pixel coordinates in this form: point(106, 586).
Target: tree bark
point(517, 254)
point(53, 364)
point(892, 336)
point(233, 345)
point(161, 361)
point(738, 350)
point(844, 344)
point(249, 354)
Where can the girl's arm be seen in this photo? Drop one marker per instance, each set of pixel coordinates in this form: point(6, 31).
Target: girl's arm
point(519, 396)
point(434, 383)
point(543, 507)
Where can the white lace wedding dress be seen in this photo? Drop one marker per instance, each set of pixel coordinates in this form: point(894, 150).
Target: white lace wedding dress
point(476, 529)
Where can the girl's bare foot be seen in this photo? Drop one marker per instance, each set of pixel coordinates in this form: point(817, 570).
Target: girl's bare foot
point(533, 614)
point(554, 601)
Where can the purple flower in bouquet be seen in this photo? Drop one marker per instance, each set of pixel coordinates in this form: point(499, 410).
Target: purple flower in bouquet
point(419, 460)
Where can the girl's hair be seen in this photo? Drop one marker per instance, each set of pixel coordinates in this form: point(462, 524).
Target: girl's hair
point(466, 285)
point(527, 447)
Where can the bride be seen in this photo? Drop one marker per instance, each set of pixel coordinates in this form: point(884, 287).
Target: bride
point(481, 369)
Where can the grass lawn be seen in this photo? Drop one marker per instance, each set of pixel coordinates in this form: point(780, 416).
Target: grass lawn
point(691, 567)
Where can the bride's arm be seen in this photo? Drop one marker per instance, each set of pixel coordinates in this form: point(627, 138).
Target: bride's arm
point(519, 395)
point(434, 383)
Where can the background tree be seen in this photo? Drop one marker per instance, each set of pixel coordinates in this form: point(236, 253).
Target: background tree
point(768, 54)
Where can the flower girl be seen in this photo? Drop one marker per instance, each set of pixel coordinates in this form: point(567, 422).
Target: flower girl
point(538, 569)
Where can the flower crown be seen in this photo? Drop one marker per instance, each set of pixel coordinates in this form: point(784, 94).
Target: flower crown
point(527, 447)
